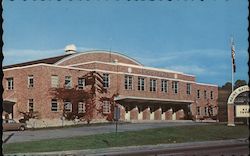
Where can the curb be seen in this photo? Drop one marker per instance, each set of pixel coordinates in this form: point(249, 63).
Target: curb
point(136, 150)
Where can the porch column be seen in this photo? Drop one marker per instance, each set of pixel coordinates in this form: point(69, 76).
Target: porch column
point(180, 114)
point(140, 115)
point(174, 115)
point(146, 114)
point(163, 115)
point(134, 113)
point(123, 113)
point(127, 114)
point(152, 114)
point(158, 114)
point(168, 114)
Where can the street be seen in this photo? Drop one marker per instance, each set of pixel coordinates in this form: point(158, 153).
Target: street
point(32, 135)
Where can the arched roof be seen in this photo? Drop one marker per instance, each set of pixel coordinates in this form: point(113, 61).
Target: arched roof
point(97, 55)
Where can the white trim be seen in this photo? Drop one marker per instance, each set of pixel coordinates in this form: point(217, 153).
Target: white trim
point(121, 97)
point(97, 51)
point(106, 71)
point(206, 84)
point(135, 66)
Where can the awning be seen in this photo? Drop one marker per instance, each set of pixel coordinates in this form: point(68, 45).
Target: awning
point(138, 100)
point(8, 106)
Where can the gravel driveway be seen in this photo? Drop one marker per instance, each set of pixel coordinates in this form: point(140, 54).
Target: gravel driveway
point(32, 135)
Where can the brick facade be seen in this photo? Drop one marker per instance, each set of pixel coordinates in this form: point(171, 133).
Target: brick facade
point(135, 104)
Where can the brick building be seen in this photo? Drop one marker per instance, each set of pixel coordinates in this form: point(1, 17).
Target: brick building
point(145, 93)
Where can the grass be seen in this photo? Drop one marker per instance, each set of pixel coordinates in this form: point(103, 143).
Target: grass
point(145, 137)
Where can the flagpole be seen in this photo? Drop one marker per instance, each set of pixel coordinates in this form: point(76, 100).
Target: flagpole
point(232, 65)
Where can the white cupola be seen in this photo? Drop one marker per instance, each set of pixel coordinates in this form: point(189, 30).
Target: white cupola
point(70, 49)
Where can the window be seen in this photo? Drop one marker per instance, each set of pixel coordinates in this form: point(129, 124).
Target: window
point(198, 94)
point(106, 107)
point(30, 81)
point(205, 94)
point(81, 83)
point(198, 111)
point(164, 85)
point(54, 105)
point(152, 86)
point(10, 83)
point(211, 110)
point(31, 105)
point(141, 83)
point(211, 95)
point(206, 111)
point(188, 88)
point(67, 106)
point(105, 80)
point(68, 82)
point(81, 107)
point(175, 86)
point(128, 82)
point(54, 81)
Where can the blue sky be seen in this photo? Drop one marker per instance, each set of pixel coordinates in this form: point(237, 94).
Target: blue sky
point(188, 36)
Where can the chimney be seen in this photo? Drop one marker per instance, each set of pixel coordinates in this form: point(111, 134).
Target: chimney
point(70, 49)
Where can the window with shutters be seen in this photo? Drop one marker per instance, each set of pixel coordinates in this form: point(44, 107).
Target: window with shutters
point(68, 106)
point(54, 81)
point(31, 105)
point(198, 93)
point(54, 105)
point(141, 83)
point(128, 82)
point(105, 80)
point(188, 88)
point(30, 81)
point(81, 83)
point(175, 86)
point(81, 107)
point(10, 83)
point(152, 85)
point(164, 85)
point(106, 107)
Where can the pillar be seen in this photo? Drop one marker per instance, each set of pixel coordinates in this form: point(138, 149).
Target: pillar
point(230, 111)
point(146, 114)
point(158, 114)
point(168, 114)
point(152, 115)
point(134, 113)
point(122, 113)
point(180, 114)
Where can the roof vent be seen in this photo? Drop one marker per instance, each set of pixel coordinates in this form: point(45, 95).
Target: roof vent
point(70, 49)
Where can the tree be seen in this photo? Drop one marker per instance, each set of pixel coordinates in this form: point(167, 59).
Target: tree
point(90, 95)
point(28, 115)
point(210, 110)
point(227, 86)
point(239, 83)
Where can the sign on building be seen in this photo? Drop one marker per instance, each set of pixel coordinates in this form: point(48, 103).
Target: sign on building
point(242, 111)
point(116, 113)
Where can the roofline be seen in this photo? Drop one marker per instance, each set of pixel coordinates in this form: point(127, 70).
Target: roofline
point(135, 66)
point(206, 84)
point(97, 51)
point(104, 71)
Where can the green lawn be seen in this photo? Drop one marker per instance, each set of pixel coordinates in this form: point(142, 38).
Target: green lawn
point(145, 137)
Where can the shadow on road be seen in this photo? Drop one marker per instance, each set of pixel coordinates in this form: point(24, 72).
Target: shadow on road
point(6, 139)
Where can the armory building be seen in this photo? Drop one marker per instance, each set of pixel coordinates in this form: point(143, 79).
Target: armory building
point(145, 93)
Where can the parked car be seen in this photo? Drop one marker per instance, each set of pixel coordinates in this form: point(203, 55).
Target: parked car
point(10, 124)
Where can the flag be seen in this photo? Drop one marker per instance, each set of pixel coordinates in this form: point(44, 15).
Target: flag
point(233, 57)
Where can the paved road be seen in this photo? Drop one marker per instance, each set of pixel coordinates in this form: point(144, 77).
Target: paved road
point(234, 147)
point(29, 135)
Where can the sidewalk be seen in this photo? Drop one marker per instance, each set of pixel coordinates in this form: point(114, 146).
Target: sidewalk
point(137, 149)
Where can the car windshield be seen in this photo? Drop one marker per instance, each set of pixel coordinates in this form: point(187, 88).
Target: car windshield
point(11, 121)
